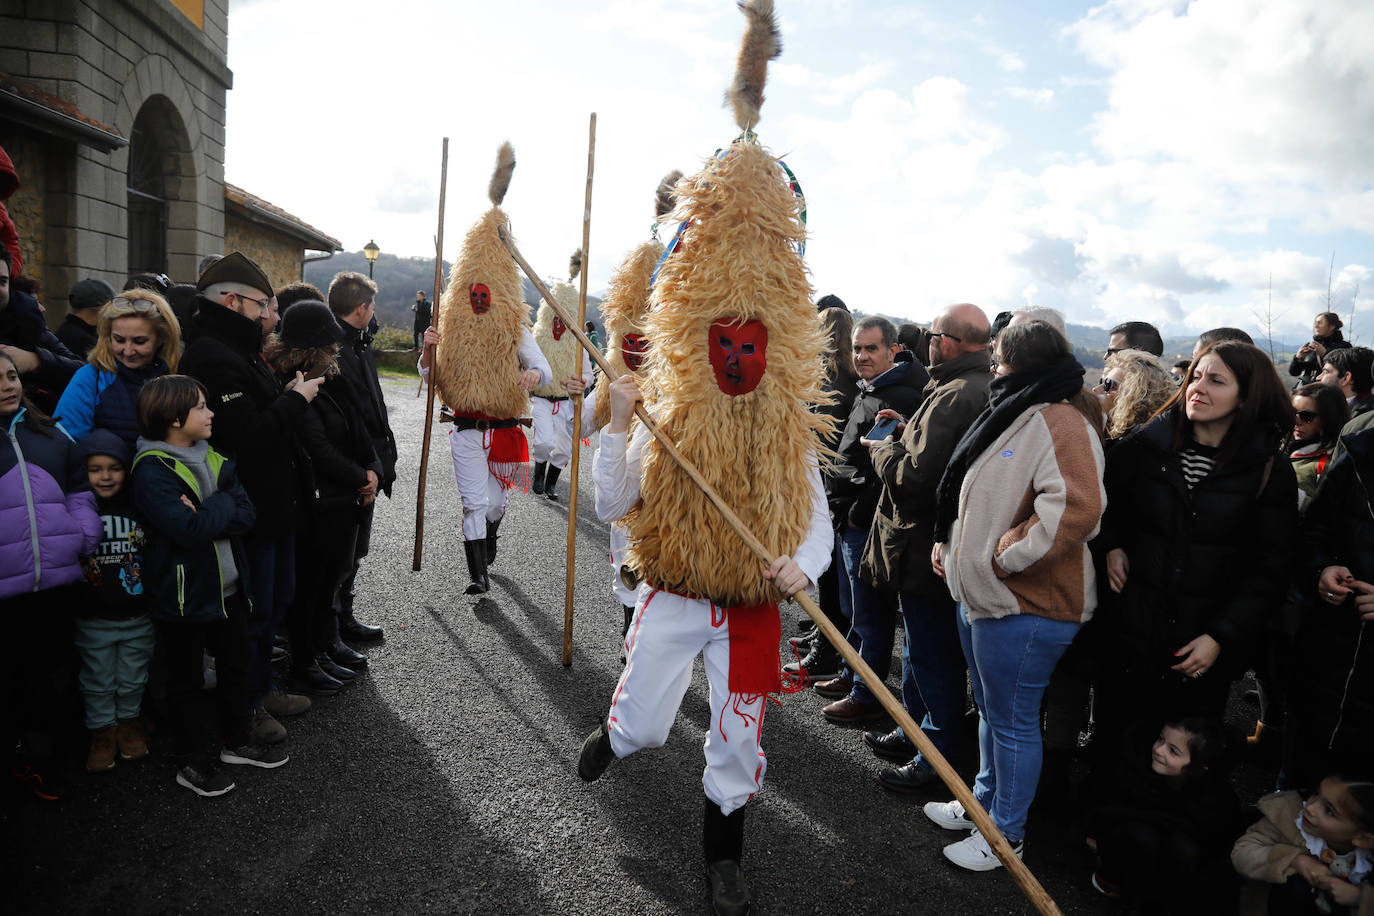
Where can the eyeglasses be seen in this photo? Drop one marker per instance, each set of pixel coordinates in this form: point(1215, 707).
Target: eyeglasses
point(1307, 416)
point(1112, 350)
point(1108, 384)
point(935, 334)
point(135, 305)
point(261, 303)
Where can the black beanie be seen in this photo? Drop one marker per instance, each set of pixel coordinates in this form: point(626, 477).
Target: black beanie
point(308, 324)
point(831, 301)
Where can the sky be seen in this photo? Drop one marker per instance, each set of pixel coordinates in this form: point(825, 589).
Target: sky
point(1188, 164)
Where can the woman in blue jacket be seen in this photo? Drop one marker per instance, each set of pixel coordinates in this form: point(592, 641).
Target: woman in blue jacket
point(138, 338)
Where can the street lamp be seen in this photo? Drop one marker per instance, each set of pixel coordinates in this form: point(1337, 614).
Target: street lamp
point(370, 251)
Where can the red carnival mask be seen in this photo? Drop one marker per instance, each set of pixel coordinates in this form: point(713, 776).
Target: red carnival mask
point(480, 297)
point(632, 348)
point(739, 354)
point(558, 328)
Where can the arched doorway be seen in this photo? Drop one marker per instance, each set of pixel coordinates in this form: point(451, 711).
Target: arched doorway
point(161, 173)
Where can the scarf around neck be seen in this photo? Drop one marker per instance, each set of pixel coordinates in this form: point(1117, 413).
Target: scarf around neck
point(1010, 396)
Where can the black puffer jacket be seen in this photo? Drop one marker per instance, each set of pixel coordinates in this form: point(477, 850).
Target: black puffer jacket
point(851, 485)
point(1335, 648)
point(1214, 561)
point(335, 452)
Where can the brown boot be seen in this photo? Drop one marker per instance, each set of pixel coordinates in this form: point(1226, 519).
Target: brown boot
point(102, 756)
point(132, 739)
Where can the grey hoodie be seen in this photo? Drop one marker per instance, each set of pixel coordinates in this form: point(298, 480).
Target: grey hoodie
point(193, 456)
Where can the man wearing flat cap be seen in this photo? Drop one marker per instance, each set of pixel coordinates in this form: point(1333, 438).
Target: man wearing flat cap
point(254, 419)
point(78, 329)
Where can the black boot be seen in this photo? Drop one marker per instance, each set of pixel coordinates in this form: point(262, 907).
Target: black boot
point(491, 540)
point(550, 481)
point(538, 484)
point(625, 630)
point(722, 841)
point(343, 655)
point(476, 552)
point(596, 754)
point(334, 669)
point(312, 681)
point(349, 626)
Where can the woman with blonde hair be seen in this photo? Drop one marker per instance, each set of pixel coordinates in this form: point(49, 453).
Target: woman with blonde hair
point(1134, 385)
point(137, 338)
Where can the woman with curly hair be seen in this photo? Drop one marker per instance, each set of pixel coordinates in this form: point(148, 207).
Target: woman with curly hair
point(1134, 385)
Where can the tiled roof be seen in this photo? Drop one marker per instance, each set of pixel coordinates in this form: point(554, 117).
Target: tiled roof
point(259, 210)
point(58, 113)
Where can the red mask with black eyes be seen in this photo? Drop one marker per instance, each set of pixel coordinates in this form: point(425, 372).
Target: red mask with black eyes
point(633, 347)
point(559, 328)
point(739, 354)
point(480, 297)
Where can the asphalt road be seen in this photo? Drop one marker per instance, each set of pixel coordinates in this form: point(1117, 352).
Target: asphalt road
point(445, 781)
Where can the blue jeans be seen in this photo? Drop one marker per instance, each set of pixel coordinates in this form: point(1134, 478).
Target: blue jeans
point(874, 615)
point(933, 669)
point(1010, 661)
point(274, 586)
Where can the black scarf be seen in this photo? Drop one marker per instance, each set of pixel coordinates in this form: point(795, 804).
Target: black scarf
point(1011, 395)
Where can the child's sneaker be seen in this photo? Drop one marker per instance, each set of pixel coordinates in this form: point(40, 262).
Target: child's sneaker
point(102, 755)
point(204, 780)
point(254, 755)
point(132, 739)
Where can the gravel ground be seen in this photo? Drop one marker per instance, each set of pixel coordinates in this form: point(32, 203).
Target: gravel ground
point(445, 780)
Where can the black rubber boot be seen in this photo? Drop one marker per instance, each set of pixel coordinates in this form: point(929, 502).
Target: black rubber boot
point(476, 552)
point(550, 481)
point(537, 485)
point(722, 842)
point(596, 754)
point(625, 630)
point(491, 540)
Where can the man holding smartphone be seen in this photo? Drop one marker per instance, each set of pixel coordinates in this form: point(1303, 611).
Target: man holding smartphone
point(889, 378)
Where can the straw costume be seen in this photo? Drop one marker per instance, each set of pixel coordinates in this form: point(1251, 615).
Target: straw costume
point(736, 367)
point(484, 348)
point(549, 403)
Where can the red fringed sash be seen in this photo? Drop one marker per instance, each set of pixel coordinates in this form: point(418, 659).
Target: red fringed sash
point(755, 666)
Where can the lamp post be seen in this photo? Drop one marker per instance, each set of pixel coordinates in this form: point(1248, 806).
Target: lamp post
point(370, 251)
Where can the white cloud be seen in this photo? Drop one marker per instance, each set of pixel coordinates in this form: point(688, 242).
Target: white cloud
point(1040, 98)
point(1010, 62)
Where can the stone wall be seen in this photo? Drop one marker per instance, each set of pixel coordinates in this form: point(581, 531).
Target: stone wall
point(277, 253)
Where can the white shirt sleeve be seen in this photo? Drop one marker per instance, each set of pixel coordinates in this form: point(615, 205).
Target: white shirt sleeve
point(615, 473)
point(531, 357)
point(815, 552)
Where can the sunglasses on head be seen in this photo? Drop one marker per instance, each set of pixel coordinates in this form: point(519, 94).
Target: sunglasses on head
point(1307, 416)
point(136, 305)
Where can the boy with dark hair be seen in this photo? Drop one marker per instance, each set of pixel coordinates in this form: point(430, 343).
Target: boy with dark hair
point(195, 510)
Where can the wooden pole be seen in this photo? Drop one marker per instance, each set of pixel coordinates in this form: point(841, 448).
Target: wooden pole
point(434, 303)
point(430, 355)
point(1027, 882)
point(577, 400)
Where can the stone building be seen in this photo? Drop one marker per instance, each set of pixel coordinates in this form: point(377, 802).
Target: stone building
point(113, 113)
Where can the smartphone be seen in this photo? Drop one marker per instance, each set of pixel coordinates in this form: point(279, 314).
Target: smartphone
point(885, 427)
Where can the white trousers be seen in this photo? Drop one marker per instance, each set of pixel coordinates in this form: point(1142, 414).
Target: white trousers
point(619, 543)
point(666, 635)
point(552, 431)
point(483, 496)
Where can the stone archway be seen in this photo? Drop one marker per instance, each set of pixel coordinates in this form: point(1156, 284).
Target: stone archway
point(160, 168)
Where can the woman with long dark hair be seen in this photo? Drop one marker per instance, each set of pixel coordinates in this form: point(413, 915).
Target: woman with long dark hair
point(1321, 412)
point(1198, 538)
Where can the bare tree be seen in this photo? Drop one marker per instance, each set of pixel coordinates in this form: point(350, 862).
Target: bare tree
point(1350, 325)
point(1266, 318)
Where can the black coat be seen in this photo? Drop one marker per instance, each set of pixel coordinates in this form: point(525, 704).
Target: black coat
point(335, 452)
point(22, 326)
point(1214, 561)
point(1309, 366)
point(360, 372)
point(254, 419)
point(1335, 670)
point(851, 485)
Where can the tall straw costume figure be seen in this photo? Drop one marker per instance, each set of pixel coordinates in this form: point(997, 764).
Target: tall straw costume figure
point(735, 368)
point(486, 363)
point(549, 403)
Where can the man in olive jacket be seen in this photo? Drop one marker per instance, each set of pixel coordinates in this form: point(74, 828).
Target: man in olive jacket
point(902, 535)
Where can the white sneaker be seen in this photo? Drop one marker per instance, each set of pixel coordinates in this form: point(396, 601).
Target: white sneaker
point(974, 853)
point(949, 815)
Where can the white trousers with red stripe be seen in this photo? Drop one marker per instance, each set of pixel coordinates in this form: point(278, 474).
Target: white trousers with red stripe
point(484, 499)
point(665, 637)
point(552, 431)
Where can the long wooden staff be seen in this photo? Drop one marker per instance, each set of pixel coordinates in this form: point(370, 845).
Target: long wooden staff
point(1032, 888)
point(434, 304)
point(429, 358)
point(577, 401)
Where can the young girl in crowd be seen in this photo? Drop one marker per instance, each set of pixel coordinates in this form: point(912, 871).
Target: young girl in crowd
point(47, 522)
point(1317, 853)
point(1163, 813)
point(114, 635)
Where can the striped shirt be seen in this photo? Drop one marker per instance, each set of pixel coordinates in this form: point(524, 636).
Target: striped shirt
point(1197, 461)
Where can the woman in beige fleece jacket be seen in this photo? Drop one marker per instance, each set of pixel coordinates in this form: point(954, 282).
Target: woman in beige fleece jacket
point(1020, 499)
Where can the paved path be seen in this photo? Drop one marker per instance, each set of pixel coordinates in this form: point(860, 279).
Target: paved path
point(445, 780)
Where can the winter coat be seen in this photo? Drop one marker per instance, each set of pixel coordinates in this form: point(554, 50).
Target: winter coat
point(843, 389)
point(22, 325)
point(1335, 649)
point(1310, 366)
point(77, 336)
point(909, 468)
point(97, 399)
point(254, 419)
point(48, 518)
point(182, 572)
point(1027, 509)
point(360, 371)
point(1215, 560)
point(336, 452)
point(851, 486)
point(9, 236)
